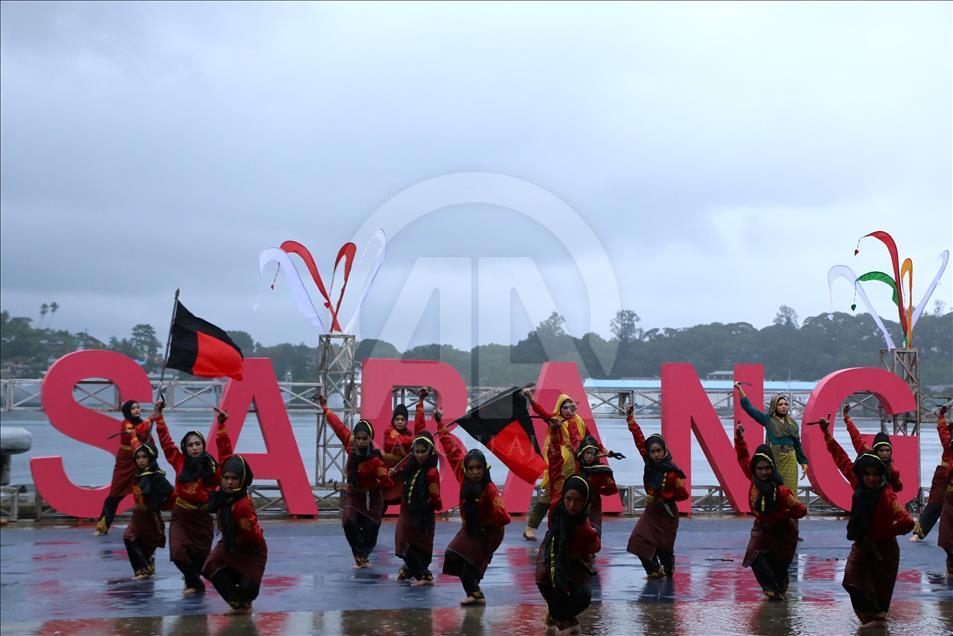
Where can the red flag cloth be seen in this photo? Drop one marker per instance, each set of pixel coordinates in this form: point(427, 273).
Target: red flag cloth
point(201, 349)
point(504, 426)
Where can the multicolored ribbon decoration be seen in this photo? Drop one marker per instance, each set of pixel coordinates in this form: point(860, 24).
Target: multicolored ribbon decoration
point(302, 299)
point(908, 312)
point(843, 271)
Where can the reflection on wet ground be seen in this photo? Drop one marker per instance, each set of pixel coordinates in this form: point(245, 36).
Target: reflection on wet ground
point(61, 580)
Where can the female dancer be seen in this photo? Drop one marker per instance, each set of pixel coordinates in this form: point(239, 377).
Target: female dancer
point(367, 479)
point(562, 572)
point(565, 411)
point(784, 437)
point(653, 538)
point(151, 491)
point(420, 500)
point(876, 519)
point(598, 475)
point(945, 540)
point(483, 514)
point(398, 440)
point(125, 469)
point(882, 448)
point(774, 533)
point(938, 486)
point(237, 562)
point(197, 476)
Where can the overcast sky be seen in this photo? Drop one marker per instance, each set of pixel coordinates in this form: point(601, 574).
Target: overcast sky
point(694, 163)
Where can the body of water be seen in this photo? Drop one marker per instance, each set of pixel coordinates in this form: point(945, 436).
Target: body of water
point(89, 466)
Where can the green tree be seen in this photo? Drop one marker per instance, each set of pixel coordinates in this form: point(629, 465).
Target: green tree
point(625, 326)
point(145, 346)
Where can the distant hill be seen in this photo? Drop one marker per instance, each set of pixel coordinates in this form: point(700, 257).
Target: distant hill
point(786, 348)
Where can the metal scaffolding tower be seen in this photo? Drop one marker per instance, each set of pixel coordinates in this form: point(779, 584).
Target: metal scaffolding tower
point(905, 363)
point(336, 371)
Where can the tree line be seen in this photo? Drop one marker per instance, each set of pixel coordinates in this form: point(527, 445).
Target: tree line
point(788, 349)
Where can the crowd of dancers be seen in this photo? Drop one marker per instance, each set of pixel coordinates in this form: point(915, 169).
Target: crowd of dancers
point(405, 471)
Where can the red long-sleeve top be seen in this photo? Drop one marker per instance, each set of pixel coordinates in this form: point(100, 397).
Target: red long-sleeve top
point(490, 504)
point(890, 518)
point(943, 428)
point(248, 534)
point(862, 447)
point(194, 494)
point(786, 504)
point(372, 473)
point(585, 541)
point(397, 444)
point(673, 486)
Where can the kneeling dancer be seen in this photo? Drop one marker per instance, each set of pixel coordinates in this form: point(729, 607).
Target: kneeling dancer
point(150, 489)
point(237, 563)
point(484, 517)
point(367, 479)
point(562, 570)
point(774, 533)
point(191, 530)
point(420, 500)
point(653, 538)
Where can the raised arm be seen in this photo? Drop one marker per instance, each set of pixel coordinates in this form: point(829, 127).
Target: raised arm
point(741, 450)
point(754, 413)
point(172, 453)
point(223, 443)
point(420, 420)
point(636, 431)
point(339, 428)
point(855, 437)
point(843, 462)
point(452, 451)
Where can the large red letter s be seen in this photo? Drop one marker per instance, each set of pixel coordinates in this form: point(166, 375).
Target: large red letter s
point(826, 399)
point(83, 424)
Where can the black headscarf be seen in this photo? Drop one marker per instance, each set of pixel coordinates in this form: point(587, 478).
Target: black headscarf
point(767, 488)
point(590, 469)
point(471, 491)
point(415, 481)
point(654, 473)
point(400, 409)
point(221, 500)
point(562, 527)
point(127, 412)
point(864, 501)
point(151, 480)
point(356, 457)
point(196, 468)
point(881, 439)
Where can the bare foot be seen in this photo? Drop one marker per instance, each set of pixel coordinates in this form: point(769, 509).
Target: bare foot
point(471, 601)
point(916, 537)
point(423, 583)
point(873, 624)
point(529, 534)
point(239, 611)
point(189, 591)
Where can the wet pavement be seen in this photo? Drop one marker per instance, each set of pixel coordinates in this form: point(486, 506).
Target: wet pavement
point(59, 579)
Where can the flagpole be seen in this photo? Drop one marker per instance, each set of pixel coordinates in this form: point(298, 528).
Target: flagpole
point(168, 343)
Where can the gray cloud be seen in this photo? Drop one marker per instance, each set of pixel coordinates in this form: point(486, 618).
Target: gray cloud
point(725, 156)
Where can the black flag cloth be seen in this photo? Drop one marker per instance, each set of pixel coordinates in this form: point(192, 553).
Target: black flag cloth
point(504, 426)
point(201, 349)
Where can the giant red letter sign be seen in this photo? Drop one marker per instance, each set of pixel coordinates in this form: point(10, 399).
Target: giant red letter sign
point(555, 378)
point(826, 399)
point(686, 408)
point(283, 459)
point(380, 376)
point(84, 424)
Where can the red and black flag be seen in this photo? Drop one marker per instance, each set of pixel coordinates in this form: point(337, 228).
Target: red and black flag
point(201, 349)
point(504, 426)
